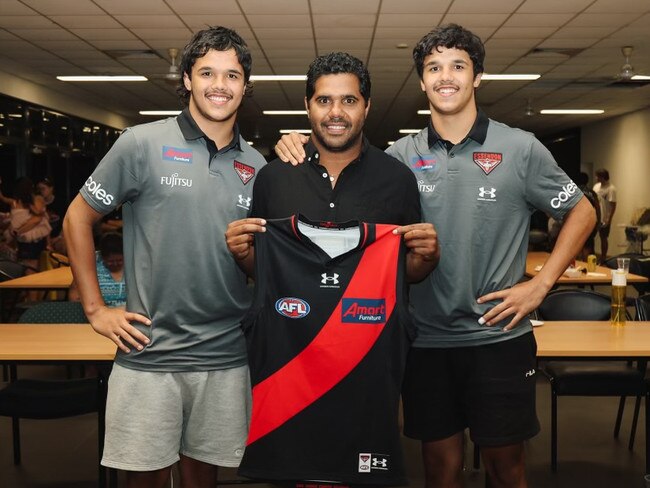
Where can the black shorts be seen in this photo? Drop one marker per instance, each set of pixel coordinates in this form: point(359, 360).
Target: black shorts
point(490, 389)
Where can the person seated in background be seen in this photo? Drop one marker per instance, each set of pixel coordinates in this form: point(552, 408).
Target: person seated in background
point(29, 225)
point(110, 272)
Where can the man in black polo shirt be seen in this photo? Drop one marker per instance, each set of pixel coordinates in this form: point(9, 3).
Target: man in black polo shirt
point(345, 179)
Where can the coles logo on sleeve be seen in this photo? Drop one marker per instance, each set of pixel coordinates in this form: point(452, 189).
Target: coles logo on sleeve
point(363, 311)
point(294, 308)
point(96, 190)
point(244, 171)
point(487, 161)
point(177, 155)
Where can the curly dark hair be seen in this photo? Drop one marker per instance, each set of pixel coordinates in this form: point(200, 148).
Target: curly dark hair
point(333, 63)
point(217, 38)
point(450, 36)
point(111, 243)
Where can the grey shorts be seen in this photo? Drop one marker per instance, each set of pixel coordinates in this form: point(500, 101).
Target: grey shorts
point(151, 418)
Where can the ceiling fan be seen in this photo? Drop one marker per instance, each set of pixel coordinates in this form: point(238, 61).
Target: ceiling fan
point(173, 74)
point(624, 77)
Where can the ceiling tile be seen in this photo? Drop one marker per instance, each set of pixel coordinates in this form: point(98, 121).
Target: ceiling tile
point(288, 33)
point(162, 34)
point(553, 6)
point(424, 21)
point(131, 7)
point(523, 32)
point(493, 6)
point(619, 6)
point(289, 7)
point(44, 34)
point(13, 7)
point(103, 34)
point(26, 22)
point(342, 32)
point(328, 6)
point(150, 21)
point(87, 21)
point(64, 7)
point(198, 22)
point(483, 19)
point(414, 6)
point(604, 20)
point(201, 7)
point(278, 21)
point(538, 20)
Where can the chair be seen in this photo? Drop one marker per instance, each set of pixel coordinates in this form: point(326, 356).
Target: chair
point(642, 308)
point(585, 378)
point(51, 399)
point(10, 270)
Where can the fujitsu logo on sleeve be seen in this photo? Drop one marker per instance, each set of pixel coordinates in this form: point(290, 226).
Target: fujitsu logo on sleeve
point(96, 190)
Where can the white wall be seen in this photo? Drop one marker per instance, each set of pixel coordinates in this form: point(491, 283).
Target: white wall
point(621, 145)
point(41, 95)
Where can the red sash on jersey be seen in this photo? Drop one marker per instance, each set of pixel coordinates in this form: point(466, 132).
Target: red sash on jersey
point(337, 348)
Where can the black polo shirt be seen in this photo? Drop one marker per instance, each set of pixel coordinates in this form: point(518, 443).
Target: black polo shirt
point(375, 187)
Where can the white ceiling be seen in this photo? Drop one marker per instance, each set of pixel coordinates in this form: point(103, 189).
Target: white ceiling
point(43, 38)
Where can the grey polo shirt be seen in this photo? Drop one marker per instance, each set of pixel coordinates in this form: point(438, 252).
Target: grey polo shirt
point(479, 194)
point(179, 193)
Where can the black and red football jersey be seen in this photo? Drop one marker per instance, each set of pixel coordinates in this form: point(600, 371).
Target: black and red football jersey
point(327, 341)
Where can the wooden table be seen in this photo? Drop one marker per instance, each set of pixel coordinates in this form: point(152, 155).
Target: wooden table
point(565, 339)
point(53, 342)
point(602, 275)
point(59, 343)
point(597, 340)
point(52, 279)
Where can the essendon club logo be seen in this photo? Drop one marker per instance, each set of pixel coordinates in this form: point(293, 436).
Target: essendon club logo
point(244, 171)
point(487, 161)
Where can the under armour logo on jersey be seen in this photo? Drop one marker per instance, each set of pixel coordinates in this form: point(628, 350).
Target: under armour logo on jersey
point(244, 202)
point(376, 463)
point(530, 373)
point(487, 194)
point(330, 280)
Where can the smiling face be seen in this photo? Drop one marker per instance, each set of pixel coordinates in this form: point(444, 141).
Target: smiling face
point(448, 81)
point(216, 87)
point(337, 112)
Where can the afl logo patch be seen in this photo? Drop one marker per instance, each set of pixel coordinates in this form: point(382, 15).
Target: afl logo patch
point(293, 308)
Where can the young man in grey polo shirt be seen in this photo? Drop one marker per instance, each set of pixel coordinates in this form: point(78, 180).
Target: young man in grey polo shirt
point(472, 364)
point(179, 388)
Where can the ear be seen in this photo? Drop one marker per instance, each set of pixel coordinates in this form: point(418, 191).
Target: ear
point(422, 86)
point(187, 82)
point(477, 80)
point(307, 106)
point(367, 108)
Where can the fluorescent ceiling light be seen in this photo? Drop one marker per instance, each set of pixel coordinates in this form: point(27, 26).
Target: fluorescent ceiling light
point(102, 78)
point(640, 78)
point(278, 78)
point(507, 77)
point(250, 143)
point(571, 111)
point(424, 112)
point(390, 143)
point(159, 112)
point(299, 131)
point(409, 131)
point(284, 112)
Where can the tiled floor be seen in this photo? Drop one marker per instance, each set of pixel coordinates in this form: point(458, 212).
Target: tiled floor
point(63, 453)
